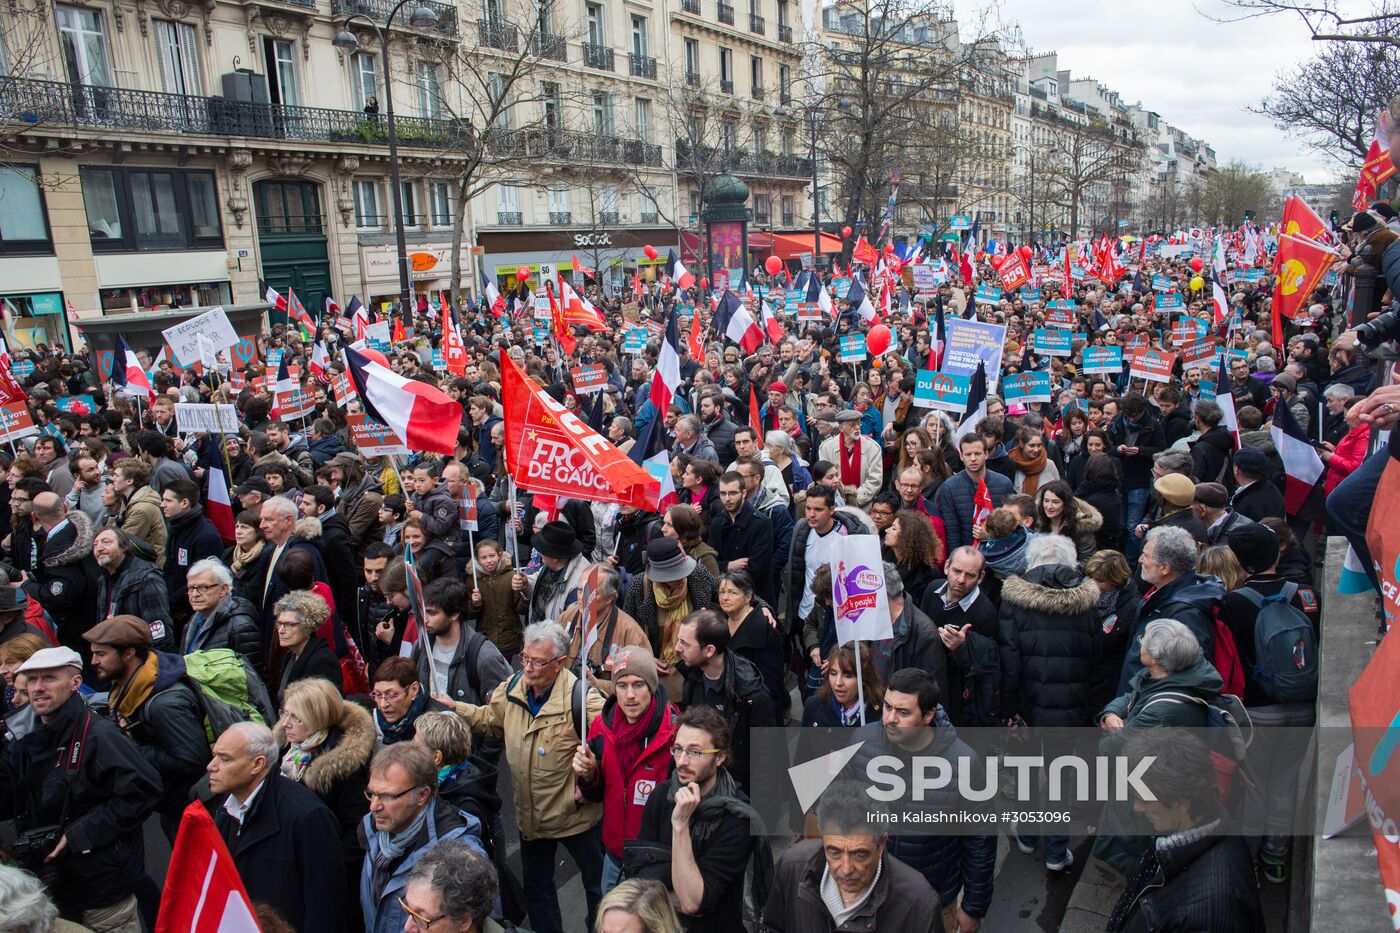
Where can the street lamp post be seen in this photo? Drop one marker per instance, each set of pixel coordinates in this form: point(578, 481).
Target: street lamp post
point(809, 114)
point(421, 17)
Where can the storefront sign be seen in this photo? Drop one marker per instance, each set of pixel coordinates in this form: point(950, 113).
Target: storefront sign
point(426, 261)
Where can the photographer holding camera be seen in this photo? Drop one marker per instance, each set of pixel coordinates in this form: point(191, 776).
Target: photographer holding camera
point(81, 792)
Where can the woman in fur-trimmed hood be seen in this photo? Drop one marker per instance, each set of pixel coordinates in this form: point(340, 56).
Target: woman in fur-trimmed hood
point(1046, 637)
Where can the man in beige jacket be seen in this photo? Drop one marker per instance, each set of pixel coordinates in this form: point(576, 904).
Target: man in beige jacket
point(858, 457)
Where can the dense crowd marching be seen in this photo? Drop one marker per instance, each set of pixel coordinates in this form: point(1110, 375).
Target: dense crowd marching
point(1081, 562)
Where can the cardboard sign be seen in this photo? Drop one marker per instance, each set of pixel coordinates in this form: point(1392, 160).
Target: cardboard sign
point(378, 331)
point(970, 342)
point(374, 438)
point(947, 391)
point(1151, 365)
point(1101, 360)
point(206, 419)
point(1198, 353)
point(1026, 387)
point(1049, 342)
point(853, 348)
point(16, 422)
point(589, 379)
point(213, 324)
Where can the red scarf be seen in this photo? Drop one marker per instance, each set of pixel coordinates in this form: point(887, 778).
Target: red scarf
point(850, 462)
point(629, 735)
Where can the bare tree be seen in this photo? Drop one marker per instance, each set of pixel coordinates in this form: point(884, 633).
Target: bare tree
point(1087, 162)
point(1232, 193)
point(1324, 19)
point(29, 106)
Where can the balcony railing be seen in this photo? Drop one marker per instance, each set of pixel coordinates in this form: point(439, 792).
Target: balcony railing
point(641, 66)
point(690, 6)
point(560, 217)
point(784, 95)
point(548, 45)
point(497, 35)
point(692, 78)
point(508, 218)
point(789, 220)
point(757, 24)
point(608, 217)
point(577, 148)
point(650, 218)
point(55, 102)
point(784, 33)
point(726, 86)
point(598, 56)
point(712, 160)
point(379, 10)
point(760, 218)
point(758, 92)
point(726, 13)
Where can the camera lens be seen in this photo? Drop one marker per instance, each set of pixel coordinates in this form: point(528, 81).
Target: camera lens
point(1374, 333)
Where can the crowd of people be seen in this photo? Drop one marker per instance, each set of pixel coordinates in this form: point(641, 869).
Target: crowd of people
point(1102, 560)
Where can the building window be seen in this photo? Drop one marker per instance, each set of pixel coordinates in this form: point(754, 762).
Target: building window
point(756, 75)
point(283, 86)
point(607, 204)
point(643, 118)
point(177, 57)
point(367, 212)
point(694, 205)
point(650, 210)
point(440, 195)
point(135, 210)
point(761, 204)
point(559, 205)
point(507, 205)
point(83, 35)
point(24, 224)
point(364, 73)
point(640, 45)
point(726, 66)
point(553, 104)
point(496, 86)
point(596, 34)
point(602, 113)
point(789, 211)
point(412, 213)
point(692, 57)
point(429, 91)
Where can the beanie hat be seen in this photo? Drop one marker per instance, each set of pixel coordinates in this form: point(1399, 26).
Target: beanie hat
point(1255, 546)
point(637, 661)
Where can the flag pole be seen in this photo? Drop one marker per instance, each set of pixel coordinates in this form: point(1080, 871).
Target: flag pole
point(471, 545)
point(860, 686)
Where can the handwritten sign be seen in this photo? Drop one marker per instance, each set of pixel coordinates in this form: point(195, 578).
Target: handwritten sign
point(213, 324)
point(947, 391)
point(1101, 360)
point(853, 348)
point(206, 419)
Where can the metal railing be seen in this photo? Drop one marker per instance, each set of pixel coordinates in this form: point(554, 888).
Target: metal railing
point(650, 218)
point(784, 33)
point(758, 92)
point(789, 220)
point(547, 45)
point(713, 159)
point(785, 95)
point(508, 218)
point(692, 78)
point(608, 217)
point(641, 66)
point(690, 6)
point(598, 56)
point(497, 35)
point(23, 100)
point(757, 24)
point(726, 13)
point(379, 10)
point(726, 86)
point(560, 217)
point(576, 147)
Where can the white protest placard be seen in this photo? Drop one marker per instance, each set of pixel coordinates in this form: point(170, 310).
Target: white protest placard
point(212, 324)
point(858, 589)
point(379, 330)
point(193, 418)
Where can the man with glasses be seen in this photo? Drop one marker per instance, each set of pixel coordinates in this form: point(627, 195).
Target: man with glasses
point(278, 831)
point(765, 502)
point(221, 618)
point(743, 538)
point(542, 712)
point(22, 545)
point(450, 890)
point(403, 824)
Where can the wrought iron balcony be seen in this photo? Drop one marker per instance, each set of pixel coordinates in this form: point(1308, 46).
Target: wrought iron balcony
point(560, 217)
point(379, 10)
point(494, 34)
point(608, 217)
point(758, 92)
point(760, 218)
point(58, 103)
point(577, 148)
point(641, 66)
point(785, 95)
point(650, 218)
point(692, 78)
point(789, 219)
point(508, 218)
point(598, 56)
point(690, 6)
point(726, 13)
point(757, 24)
point(726, 86)
point(714, 160)
point(548, 45)
point(784, 33)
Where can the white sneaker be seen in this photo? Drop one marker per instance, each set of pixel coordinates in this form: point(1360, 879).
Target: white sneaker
point(1053, 865)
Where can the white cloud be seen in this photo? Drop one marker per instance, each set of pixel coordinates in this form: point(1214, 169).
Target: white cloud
point(1198, 74)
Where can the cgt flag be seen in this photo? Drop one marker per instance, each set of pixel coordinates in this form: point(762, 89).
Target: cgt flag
point(550, 450)
point(1299, 266)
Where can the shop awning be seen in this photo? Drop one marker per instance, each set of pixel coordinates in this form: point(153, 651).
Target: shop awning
point(792, 245)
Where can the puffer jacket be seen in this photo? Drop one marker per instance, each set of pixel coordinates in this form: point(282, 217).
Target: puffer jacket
point(1046, 636)
point(232, 624)
point(142, 518)
point(138, 589)
point(498, 616)
point(540, 751)
point(954, 504)
point(1190, 599)
point(624, 795)
point(440, 515)
point(337, 774)
point(65, 583)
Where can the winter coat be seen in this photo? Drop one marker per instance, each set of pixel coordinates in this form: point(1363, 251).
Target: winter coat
point(168, 728)
point(848, 522)
point(323, 449)
point(138, 588)
point(1360, 377)
point(1148, 439)
point(108, 800)
point(341, 566)
point(1115, 628)
point(1349, 453)
point(1211, 456)
point(1190, 599)
point(1047, 639)
point(1200, 880)
point(1107, 499)
point(721, 436)
point(703, 449)
point(440, 515)
point(192, 537)
point(871, 467)
point(316, 660)
point(282, 852)
point(640, 603)
point(337, 774)
point(1088, 524)
point(1259, 500)
point(482, 436)
point(747, 705)
point(902, 900)
point(165, 471)
point(914, 643)
point(539, 751)
point(498, 616)
point(540, 608)
point(142, 518)
point(275, 588)
point(65, 582)
point(955, 504)
point(624, 794)
point(360, 505)
point(1145, 706)
point(232, 624)
point(747, 535)
point(1176, 426)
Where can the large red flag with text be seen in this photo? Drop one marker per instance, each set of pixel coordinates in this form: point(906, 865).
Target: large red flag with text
point(203, 892)
point(1374, 172)
point(550, 450)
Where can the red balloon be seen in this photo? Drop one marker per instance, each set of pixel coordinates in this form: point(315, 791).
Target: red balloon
point(845, 233)
point(1025, 252)
point(375, 355)
point(522, 273)
point(877, 341)
point(773, 265)
point(704, 284)
point(650, 251)
point(997, 261)
point(1197, 264)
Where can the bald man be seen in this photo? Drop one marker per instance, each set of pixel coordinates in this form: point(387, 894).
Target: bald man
point(65, 580)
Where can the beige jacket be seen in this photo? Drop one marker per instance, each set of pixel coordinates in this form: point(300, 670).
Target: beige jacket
point(872, 475)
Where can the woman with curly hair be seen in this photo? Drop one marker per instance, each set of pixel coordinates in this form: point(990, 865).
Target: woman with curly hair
point(303, 653)
point(918, 554)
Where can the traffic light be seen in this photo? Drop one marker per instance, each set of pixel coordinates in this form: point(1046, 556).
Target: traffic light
point(1334, 220)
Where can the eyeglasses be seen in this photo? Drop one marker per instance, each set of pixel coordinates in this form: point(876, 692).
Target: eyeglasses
point(388, 696)
point(371, 796)
point(205, 588)
point(531, 664)
point(692, 754)
point(287, 625)
point(291, 719)
point(418, 920)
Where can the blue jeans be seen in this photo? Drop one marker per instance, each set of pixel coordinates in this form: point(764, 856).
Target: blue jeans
point(612, 873)
point(541, 890)
point(1349, 506)
point(1134, 511)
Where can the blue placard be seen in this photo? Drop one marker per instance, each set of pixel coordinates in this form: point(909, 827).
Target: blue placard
point(947, 391)
point(1207, 390)
point(1049, 341)
point(76, 404)
point(635, 340)
point(840, 287)
point(960, 222)
point(541, 334)
point(1026, 387)
point(988, 293)
point(22, 368)
point(1101, 360)
point(1170, 302)
point(1253, 275)
point(439, 363)
point(1030, 294)
point(853, 348)
point(274, 358)
point(1062, 304)
point(1160, 283)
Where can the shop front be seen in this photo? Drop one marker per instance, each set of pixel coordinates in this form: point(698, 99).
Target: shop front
point(430, 270)
point(614, 255)
point(36, 318)
point(133, 282)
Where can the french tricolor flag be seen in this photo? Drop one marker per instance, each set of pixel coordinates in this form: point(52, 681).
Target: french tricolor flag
point(127, 375)
point(734, 321)
point(217, 504)
point(423, 415)
point(677, 272)
point(272, 297)
point(1301, 464)
point(666, 380)
point(860, 301)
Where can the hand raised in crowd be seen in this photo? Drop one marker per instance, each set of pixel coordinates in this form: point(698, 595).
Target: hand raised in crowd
point(584, 763)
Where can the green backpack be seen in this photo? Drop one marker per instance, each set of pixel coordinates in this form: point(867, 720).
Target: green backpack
point(228, 689)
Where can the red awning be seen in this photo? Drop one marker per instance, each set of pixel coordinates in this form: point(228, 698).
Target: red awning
point(792, 245)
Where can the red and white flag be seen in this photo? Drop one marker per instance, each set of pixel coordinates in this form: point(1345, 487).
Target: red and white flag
point(579, 310)
point(1301, 464)
point(203, 891)
point(423, 415)
point(272, 297)
point(320, 363)
point(666, 380)
point(217, 504)
point(1226, 401)
point(129, 378)
point(981, 505)
point(771, 325)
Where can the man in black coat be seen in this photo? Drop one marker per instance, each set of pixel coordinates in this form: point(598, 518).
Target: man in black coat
point(191, 538)
point(1256, 497)
point(66, 579)
point(1210, 454)
point(743, 538)
point(277, 522)
point(1135, 436)
point(283, 839)
point(319, 502)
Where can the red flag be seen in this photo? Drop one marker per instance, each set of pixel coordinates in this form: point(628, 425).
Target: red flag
point(454, 350)
point(865, 253)
point(697, 338)
point(1300, 220)
point(981, 504)
point(580, 267)
point(562, 333)
point(399, 335)
point(1374, 172)
point(203, 892)
point(1299, 266)
point(754, 421)
point(550, 450)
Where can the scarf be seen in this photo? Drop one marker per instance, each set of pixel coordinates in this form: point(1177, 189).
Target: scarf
point(392, 846)
point(628, 737)
point(242, 558)
point(849, 715)
point(1030, 466)
point(137, 688)
point(850, 462)
point(724, 800)
point(401, 731)
point(672, 606)
point(549, 585)
point(299, 755)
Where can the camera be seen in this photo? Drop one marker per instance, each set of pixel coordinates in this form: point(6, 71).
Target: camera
point(1378, 331)
point(32, 847)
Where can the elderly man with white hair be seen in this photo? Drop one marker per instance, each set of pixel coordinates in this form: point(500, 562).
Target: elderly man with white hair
point(278, 522)
point(222, 618)
point(1337, 398)
point(542, 712)
point(1175, 591)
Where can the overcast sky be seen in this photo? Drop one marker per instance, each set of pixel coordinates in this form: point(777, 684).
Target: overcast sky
point(1198, 74)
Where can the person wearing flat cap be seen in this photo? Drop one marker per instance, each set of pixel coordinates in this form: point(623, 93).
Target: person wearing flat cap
point(1212, 507)
point(1276, 773)
point(1175, 496)
point(858, 457)
point(150, 698)
point(554, 587)
point(1255, 497)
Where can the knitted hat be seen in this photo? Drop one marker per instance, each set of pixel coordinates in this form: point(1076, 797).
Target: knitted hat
point(1255, 546)
point(778, 387)
point(1286, 381)
point(637, 661)
point(1252, 461)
